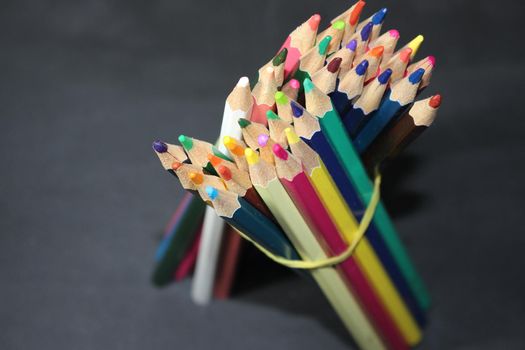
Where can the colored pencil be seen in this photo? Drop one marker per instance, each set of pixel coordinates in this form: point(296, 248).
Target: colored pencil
point(265, 148)
point(415, 44)
point(291, 89)
point(349, 88)
point(188, 261)
point(277, 126)
point(240, 214)
point(409, 126)
point(395, 102)
point(313, 59)
point(267, 184)
point(240, 176)
point(238, 105)
point(299, 42)
point(308, 192)
point(236, 148)
point(182, 171)
point(277, 63)
point(373, 57)
point(428, 63)
point(397, 63)
point(346, 54)
point(389, 41)
point(250, 132)
point(229, 257)
point(249, 193)
point(351, 18)
point(362, 37)
point(377, 20)
point(198, 151)
point(336, 31)
point(283, 107)
point(402, 270)
point(367, 103)
point(326, 77)
point(202, 180)
point(263, 93)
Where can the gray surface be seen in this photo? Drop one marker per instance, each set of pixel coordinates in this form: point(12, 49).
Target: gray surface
point(85, 88)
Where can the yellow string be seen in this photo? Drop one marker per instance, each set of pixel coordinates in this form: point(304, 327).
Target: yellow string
point(334, 260)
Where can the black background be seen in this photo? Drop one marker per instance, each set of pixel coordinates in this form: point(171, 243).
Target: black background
point(87, 85)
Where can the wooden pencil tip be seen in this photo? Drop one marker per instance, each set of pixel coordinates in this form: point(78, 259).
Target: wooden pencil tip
point(435, 101)
point(334, 65)
point(291, 136)
point(176, 165)
point(160, 146)
point(314, 21)
point(251, 156)
point(405, 54)
point(356, 13)
point(186, 142)
point(377, 51)
point(196, 178)
point(279, 151)
point(224, 172)
point(212, 192)
point(243, 82)
point(262, 139)
point(214, 160)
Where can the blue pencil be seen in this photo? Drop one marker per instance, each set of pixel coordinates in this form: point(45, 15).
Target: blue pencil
point(348, 88)
point(394, 104)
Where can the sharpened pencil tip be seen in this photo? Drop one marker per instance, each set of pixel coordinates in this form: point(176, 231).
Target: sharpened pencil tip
point(435, 101)
point(334, 65)
point(280, 98)
point(271, 115)
point(160, 146)
point(176, 165)
point(251, 156)
point(365, 32)
point(186, 142)
point(314, 21)
point(196, 178)
point(214, 160)
point(294, 83)
point(361, 67)
point(393, 33)
point(323, 45)
point(243, 122)
point(297, 109)
point(291, 136)
point(354, 17)
point(339, 25)
point(280, 57)
point(308, 85)
point(415, 44)
point(262, 139)
point(352, 45)
point(379, 16)
point(416, 76)
point(385, 76)
point(377, 51)
point(243, 82)
point(224, 172)
point(432, 60)
point(405, 54)
point(279, 151)
point(212, 192)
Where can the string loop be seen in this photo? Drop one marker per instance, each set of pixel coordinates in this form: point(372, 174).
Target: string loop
point(333, 260)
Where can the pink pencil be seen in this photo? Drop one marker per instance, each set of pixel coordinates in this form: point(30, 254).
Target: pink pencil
point(296, 183)
point(187, 263)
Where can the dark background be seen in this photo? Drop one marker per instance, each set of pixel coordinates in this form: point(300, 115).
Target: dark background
point(87, 85)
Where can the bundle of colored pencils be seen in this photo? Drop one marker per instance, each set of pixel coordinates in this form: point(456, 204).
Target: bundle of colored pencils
point(292, 171)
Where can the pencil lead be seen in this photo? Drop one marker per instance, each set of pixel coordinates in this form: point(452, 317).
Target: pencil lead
point(339, 25)
point(323, 45)
point(361, 67)
point(334, 65)
point(280, 97)
point(435, 101)
point(212, 192)
point(279, 151)
point(354, 17)
point(294, 83)
point(176, 165)
point(160, 146)
point(379, 16)
point(297, 109)
point(393, 33)
point(366, 31)
point(377, 51)
point(243, 122)
point(314, 21)
point(405, 54)
point(243, 82)
point(214, 160)
point(251, 156)
point(415, 44)
point(291, 136)
point(186, 142)
point(224, 172)
point(196, 178)
point(416, 76)
point(271, 115)
point(432, 60)
point(308, 85)
point(352, 45)
point(280, 57)
point(385, 76)
point(262, 139)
